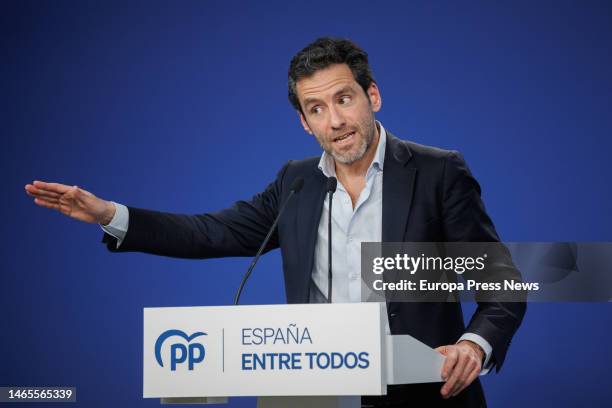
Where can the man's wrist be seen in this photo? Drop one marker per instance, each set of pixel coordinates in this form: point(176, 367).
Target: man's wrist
point(109, 213)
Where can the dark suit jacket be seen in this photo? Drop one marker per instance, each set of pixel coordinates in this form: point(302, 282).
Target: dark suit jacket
point(429, 195)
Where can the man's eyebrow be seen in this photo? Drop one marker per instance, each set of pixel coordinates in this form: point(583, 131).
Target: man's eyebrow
point(308, 101)
point(344, 89)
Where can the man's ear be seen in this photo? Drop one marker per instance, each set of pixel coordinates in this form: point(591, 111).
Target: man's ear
point(304, 123)
point(374, 96)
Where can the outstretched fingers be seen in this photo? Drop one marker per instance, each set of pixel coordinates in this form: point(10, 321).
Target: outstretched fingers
point(51, 187)
point(37, 192)
point(47, 204)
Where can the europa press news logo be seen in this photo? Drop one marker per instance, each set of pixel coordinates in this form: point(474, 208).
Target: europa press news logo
point(191, 353)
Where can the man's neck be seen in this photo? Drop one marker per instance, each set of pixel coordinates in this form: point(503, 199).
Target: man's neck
point(360, 167)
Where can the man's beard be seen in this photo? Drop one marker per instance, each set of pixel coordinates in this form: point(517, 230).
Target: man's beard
point(352, 156)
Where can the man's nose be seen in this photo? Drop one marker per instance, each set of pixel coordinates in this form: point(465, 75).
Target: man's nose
point(336, 118)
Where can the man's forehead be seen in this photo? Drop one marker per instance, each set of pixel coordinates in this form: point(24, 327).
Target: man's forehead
point(327, 80)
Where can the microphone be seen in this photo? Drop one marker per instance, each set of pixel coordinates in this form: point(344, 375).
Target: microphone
point(332, 184)
point(295, 187)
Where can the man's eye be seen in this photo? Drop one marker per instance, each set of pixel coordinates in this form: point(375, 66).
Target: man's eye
point(315, 109)
point(345, 99)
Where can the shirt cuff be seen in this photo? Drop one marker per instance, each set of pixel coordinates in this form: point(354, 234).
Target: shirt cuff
point(119, 224)
point(486, 347)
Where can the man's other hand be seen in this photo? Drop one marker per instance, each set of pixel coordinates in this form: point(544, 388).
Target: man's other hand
point(462, 365)
point(72, 201)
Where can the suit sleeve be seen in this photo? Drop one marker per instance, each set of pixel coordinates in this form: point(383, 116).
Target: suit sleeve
point(465, 219)
point(235, 231)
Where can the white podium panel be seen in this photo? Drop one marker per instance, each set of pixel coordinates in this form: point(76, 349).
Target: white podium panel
point(270, 350)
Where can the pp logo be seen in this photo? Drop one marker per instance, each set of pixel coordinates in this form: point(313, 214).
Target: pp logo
point(179, 353)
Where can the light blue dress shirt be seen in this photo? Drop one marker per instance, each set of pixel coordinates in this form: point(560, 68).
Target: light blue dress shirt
point(350, 227)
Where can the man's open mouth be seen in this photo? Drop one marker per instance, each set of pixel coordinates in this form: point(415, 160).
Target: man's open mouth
point(344, 137)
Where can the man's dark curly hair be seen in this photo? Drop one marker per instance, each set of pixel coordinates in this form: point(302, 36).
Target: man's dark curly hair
point(321, 54)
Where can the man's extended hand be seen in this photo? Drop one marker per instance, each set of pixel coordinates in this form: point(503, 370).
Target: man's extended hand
point(71, 201)
point(462, 365)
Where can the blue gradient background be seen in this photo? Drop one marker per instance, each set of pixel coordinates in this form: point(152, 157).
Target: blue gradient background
point(181, 106)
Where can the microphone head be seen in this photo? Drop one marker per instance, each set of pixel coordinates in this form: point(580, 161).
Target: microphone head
point(332, 184)
point(297, 185)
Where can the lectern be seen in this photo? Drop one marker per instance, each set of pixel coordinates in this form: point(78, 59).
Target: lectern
point(306, 355)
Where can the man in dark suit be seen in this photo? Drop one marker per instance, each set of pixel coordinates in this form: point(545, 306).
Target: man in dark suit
point(389, 190)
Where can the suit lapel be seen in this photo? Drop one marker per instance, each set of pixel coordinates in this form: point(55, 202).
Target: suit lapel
point(398, 185)
point(310, 207)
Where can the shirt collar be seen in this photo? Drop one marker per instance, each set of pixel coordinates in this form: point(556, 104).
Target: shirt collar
point(327, 166)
